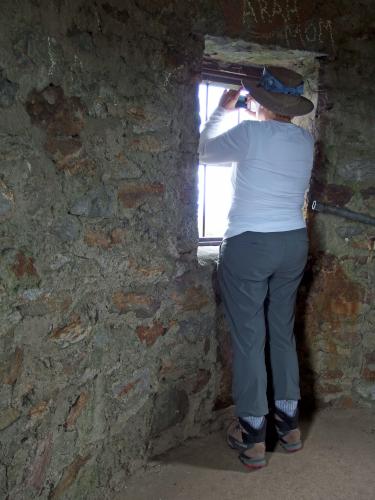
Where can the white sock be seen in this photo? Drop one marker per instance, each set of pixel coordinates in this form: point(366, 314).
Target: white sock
point(288, 406)
point(255, 422)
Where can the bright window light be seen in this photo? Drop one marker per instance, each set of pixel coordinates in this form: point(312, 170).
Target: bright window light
point(214, 181)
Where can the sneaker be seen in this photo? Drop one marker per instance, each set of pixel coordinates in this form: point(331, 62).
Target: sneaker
point(251, 442)
point(288, 431)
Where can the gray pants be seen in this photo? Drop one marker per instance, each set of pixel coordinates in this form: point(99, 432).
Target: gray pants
point(254, 267)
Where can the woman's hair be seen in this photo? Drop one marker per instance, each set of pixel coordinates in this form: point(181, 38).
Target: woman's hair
point(278, 116)
point(282, 117)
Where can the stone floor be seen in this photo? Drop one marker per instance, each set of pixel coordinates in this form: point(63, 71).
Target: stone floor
point(337, 462)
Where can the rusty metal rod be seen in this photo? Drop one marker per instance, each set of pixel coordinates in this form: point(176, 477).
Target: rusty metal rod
point(317, 206)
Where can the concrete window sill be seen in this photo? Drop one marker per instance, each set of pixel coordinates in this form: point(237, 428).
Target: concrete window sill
point(208, 255)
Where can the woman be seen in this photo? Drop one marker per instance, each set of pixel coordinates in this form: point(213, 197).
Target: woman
point(264, 252)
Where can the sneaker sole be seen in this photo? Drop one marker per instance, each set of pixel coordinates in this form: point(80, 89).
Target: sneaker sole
point(291, 448)
point(259, 464)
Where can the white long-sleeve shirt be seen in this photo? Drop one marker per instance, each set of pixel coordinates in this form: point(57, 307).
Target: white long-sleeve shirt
point(274, 161)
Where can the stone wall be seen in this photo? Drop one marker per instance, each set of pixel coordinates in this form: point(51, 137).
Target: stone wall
point(108, 323)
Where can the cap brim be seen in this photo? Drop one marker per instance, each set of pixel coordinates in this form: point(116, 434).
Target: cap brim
point(283, 104)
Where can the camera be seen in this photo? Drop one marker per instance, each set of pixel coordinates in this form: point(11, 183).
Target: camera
point(241, 102)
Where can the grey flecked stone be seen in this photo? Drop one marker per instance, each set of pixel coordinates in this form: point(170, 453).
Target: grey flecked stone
point(6, 200)
point(8, 416)
point(349, 231)
point(83, 40)
point(33, 309)
point(58, 261)
point(170, 408)
point(33, 293)
point(360, 170)
point(67, 229)
point(5, 204)
point(10, 320)
point(101, 337)
point(96, 203)
point(8, 91)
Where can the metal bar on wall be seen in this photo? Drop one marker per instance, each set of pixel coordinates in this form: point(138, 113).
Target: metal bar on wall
point(317, 206)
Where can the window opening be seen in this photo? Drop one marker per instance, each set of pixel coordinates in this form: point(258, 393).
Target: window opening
point(214, 181)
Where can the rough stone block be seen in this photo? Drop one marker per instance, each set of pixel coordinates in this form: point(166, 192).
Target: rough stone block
point(368, 368)
point(144, 305)
point(104, 240)
point(8, 416)
point(71, 333)
point(368, 193)
point(133, 195)
point(14, 367)
point(127, 388)
point(63, 120)
point(51, 110)
point(332, 374)
point(146, 271)
point(149, 334)
point(324, 303)
point(202, 380)
point(76, 410)
point(66, 229)
point(368, 373)
point(6, 201)
point(335, 194)
point(41, 462)
point(97, 239)
point(192, 299)
point(120, 15)
point(136, 387)
point(361, 170)
point(168, 368)
point(325, 388)
point(118, 235)
point(69, 476)
point(8, 91)
point(349, 231)
point(69, 154)
point(170, 408)
point(148, 144)
point(24, 266)
point(38, 302)
point(98, 202)
point(39, 410)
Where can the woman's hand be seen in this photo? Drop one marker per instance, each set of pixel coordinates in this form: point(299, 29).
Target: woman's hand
point(229, 98)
